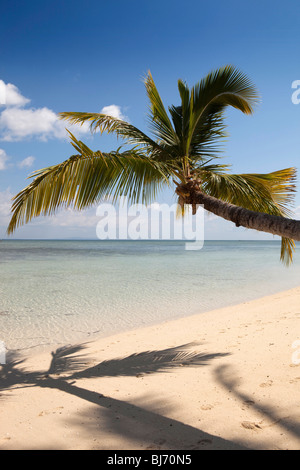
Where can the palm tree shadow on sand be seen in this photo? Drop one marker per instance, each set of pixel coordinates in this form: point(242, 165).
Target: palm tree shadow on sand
point(137, 422)
point(228, 378)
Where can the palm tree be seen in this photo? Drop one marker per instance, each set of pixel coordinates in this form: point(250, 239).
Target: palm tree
point(184, 151)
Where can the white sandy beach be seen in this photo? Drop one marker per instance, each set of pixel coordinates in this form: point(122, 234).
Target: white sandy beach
point(225, 379)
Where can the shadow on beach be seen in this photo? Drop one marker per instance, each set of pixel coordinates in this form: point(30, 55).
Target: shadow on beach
point(138, 422)
point(228, 378)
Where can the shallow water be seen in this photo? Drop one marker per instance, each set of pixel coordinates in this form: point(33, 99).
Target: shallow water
point(61, 292)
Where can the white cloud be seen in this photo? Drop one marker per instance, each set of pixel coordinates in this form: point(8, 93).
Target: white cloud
point(112, 110)
point(72, 218)
point(5, 205)
point(3, 159)
point(16, 123)
point(19, 123)
point(27, 162)
point(10, 95)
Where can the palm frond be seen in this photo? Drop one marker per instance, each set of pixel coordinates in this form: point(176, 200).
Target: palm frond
point(109, 124)
point(207, 143)
point(209, 136)
point(159, 120)
point(223, 87)
point(270, 193)
point(287, 250)
point(259, 192)
point(181, 115)
point(85, 178)
point(226, 86)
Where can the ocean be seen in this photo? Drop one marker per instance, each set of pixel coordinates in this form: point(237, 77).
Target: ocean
point(54, 293)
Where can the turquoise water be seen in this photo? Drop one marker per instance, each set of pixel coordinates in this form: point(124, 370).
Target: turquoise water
point(60, 292)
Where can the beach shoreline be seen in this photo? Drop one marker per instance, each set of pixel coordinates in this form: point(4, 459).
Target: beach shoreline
point(222, 379)
point(37, 350)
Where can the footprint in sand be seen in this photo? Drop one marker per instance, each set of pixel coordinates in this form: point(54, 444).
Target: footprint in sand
point(206, 407)
point(266, 384)
point(295, 380)
point(250, 425)
point(205, 442)
point(248, 403)
point(200, 443)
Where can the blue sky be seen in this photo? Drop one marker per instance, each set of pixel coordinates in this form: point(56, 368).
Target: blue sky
point(85, 56)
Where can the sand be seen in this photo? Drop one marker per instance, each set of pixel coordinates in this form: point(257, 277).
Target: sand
point(225, 379)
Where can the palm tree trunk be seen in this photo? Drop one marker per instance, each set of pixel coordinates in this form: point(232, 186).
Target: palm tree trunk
point(262, 222)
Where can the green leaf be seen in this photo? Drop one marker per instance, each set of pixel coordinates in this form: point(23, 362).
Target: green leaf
point(85, 179)
point(270, 193)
